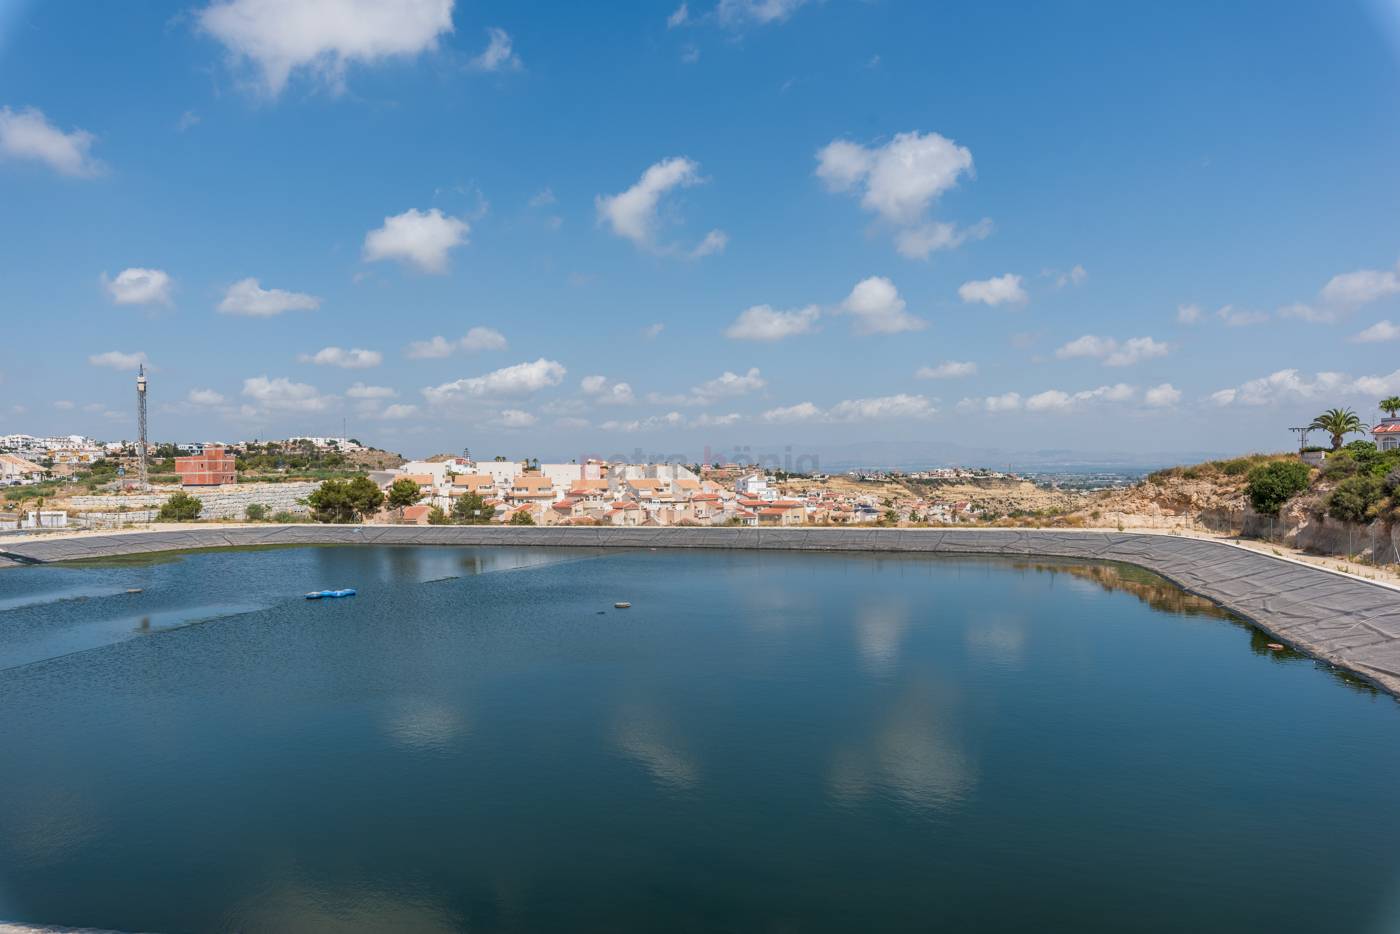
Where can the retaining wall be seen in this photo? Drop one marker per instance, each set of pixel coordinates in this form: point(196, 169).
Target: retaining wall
point(1348, 622)
point(223, 502)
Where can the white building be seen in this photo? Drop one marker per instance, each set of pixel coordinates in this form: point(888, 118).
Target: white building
point(1387, 433)
point(755, 485)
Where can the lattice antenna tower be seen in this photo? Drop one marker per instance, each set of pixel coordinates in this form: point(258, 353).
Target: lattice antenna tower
point(1302, 436)
point(141, 476)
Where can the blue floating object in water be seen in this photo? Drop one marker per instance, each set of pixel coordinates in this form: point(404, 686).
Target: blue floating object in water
point(318, 594)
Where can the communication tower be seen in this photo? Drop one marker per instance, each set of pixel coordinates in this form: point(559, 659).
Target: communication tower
point(141, 477)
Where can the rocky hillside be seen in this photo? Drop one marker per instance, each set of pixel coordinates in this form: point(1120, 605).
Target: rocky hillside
point(1209, 495)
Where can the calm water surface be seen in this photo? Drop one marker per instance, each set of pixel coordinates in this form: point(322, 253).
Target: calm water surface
point(784, 742)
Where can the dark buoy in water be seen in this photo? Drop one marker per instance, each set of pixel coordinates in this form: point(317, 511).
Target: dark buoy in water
point(622, 605)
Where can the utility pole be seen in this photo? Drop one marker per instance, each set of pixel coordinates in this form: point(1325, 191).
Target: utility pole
point(1302, 436)
point(142, 479)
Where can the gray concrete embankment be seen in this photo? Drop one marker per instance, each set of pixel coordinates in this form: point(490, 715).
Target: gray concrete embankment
point(1348, 622)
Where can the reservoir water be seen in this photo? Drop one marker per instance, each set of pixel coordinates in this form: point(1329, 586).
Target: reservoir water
point(764, 742)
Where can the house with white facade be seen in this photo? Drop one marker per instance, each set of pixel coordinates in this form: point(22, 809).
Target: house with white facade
point(1387, 433)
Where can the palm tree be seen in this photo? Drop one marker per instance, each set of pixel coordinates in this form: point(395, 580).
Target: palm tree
point(1390, 405)
point(1338, 423)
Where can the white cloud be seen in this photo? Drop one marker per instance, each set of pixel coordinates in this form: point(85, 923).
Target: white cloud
point(354, 359)
point(323, 36)
point(634, 213)
point(571, 423)
point(246, 297)
point(1075, 276)
point(679, 17)
point(878, 309)
point(498, 56)
point(117, 360)
point(481, 338)
point(63, 405)
point(604, 391)
point(419, 238)
point(1240, 317)
point(1282, 386)
point(543, 198)
point(919, 242)
point(730, 384)
point(1353, 289)
point(897, 181)
point(738, 13)
point(1188, 314)
point(999, 290)
point(1387, 385)
point(138, 286)
point(27, 134)
point(1006, 402)
point(398, 411)
point(515, 418)
point(653, 331)
point(714, 421)
point(1308, 313)
point(518, 380)
point(1380, 331)
point(715, 241)
point(1163, 396)
point(1055, 400)
point(669, 420)
point(949, 369)
point(361, 391)
point(280, 394)
point(883, 407)
point(765, 323)
point(476, 339)
point(1049, 400)
point(801, 412)
point(204, 397)
point(1113, 353)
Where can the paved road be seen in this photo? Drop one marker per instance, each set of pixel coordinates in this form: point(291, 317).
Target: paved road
point(1347, 622)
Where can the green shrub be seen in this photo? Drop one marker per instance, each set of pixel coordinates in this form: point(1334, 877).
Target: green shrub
point(522, 518)
point(180, 507)
point(437, 517)
point(1235, 468)
point(256, 512)
point(1356, 499)
point(1271, 485)
point(285, 517)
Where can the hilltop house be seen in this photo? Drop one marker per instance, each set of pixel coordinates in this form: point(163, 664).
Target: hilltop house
point(1387, 433)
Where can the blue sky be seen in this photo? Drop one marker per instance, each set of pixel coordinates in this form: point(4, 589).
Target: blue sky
point(1086, 225)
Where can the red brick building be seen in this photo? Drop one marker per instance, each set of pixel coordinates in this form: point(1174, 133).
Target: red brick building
point(211, 468)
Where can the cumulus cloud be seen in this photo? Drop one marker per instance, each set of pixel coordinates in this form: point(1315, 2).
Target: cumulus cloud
point(28, 135)
point(878, 309)
point(1281, 386)
point(801, 412)
point(361, 391)
point(1309, 313)
point(1354, 289)
point(516, 418)
point(1076, 276)
point(883, 407)
point(518, 380)
point(765, 323)
point(247, 297)
point(1378, 332)
point(280, 394)
point(323, 37)
point(653, 331)
point(634, 213)
point(705, 420)
point(730, 384)
point(476, 339)
point(499, 55)
point(1051, 400)
point(136, 286)
point(480, 338)
point(1112, 352)
point(669, 420)
point(419, 238)
point(398, 411)
point(117, 360)
point(948, 369)
point(354, 359)
point(204, 397)
point(1163, 396)
point(999, 290)
point(1006, 402)
point(604, 391)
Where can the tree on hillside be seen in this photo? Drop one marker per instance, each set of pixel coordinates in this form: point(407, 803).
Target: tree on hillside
point(403, 493)
point(345, 500)
point(1338, 423)
point(1390, 405)
point(471, 509)
point(180, 507)
point(1271, 485)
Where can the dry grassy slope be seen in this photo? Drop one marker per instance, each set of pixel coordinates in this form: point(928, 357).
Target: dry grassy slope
point(1211, 493)
point(998, 496)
